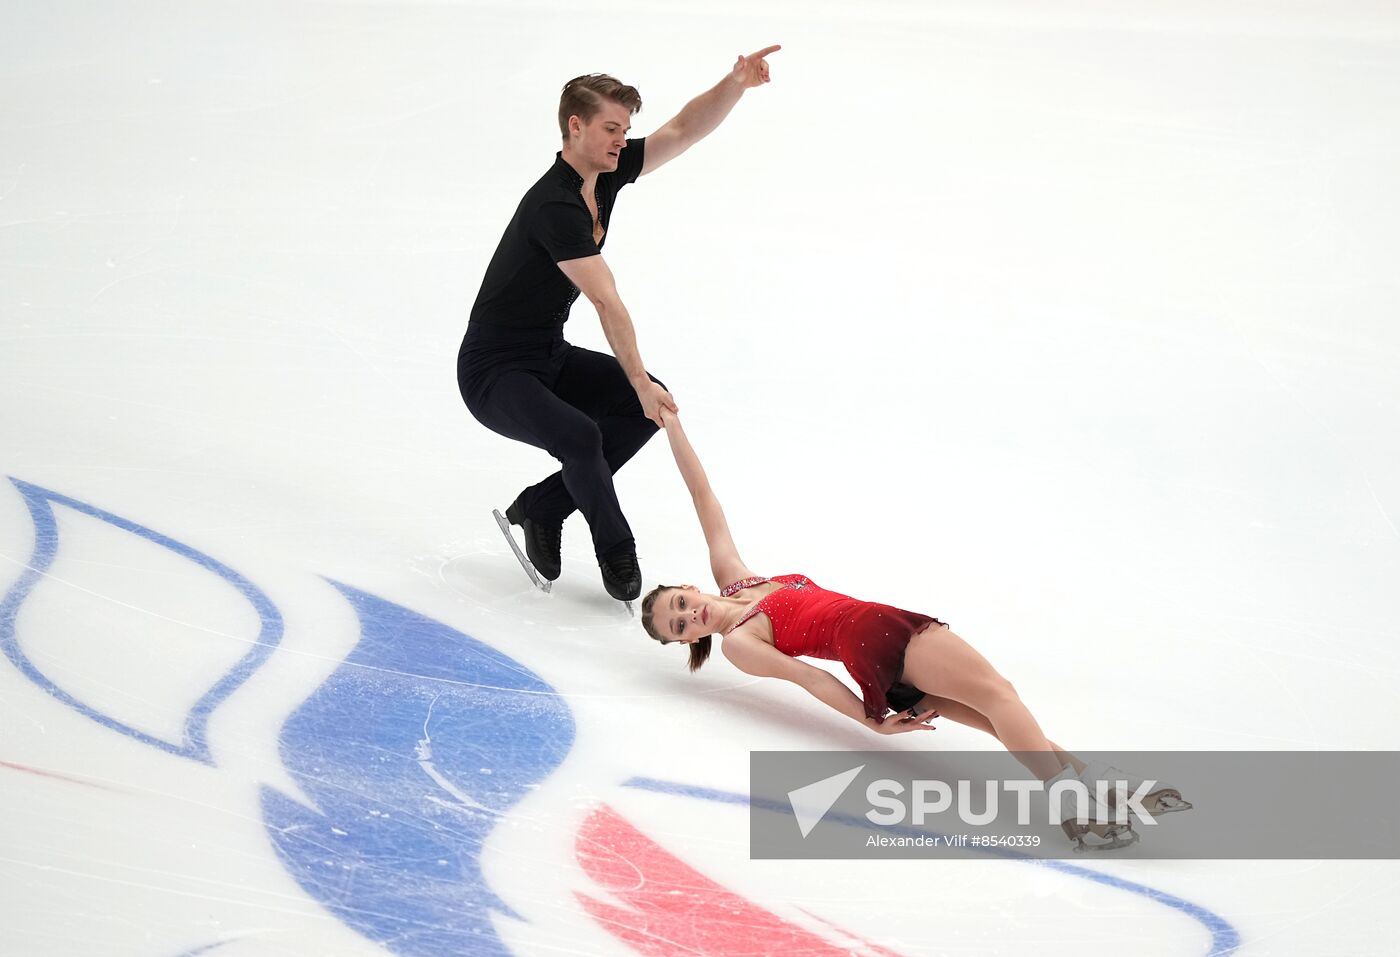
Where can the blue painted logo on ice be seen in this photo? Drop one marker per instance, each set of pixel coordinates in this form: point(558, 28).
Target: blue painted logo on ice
point(413, 751)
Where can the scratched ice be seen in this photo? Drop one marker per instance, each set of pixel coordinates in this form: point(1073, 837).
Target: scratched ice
point(1072, 326)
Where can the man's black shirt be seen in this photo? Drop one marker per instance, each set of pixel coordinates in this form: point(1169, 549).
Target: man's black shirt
point(523, 288)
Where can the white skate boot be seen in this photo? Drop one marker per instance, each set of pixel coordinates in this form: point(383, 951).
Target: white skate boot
point(1162, 799)
point(1103, 831)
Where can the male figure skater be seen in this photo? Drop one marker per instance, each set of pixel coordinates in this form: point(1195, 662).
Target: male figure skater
point(516, 373)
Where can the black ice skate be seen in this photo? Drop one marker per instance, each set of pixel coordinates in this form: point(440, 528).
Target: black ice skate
point(622, 576)
point(541, 541)
point(542, 584)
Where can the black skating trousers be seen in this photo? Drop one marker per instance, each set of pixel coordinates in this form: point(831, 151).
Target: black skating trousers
point(573, 403)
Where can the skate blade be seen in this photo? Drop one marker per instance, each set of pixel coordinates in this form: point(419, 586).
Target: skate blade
point(1085, 840)
point(630, 612)
point(542, 584)
point(1116, 840)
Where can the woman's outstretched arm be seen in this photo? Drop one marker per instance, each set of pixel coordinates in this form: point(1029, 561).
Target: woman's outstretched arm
point(725, 563)
point(754, 656)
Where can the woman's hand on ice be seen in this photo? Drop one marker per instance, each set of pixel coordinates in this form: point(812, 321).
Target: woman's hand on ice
point(903, 721)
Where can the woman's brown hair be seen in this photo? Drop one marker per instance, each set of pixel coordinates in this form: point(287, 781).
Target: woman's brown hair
point(699, 650)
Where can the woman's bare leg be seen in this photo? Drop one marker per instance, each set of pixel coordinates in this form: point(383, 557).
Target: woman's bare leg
point(970, 716)
point(942, 664)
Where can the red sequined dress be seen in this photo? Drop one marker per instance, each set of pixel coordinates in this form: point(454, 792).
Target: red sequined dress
point(868, 638)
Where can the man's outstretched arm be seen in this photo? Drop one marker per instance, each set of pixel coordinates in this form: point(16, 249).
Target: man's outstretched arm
point(595, 280)
point(702, 114)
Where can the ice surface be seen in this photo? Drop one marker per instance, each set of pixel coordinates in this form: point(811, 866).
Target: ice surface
point(1073, 325)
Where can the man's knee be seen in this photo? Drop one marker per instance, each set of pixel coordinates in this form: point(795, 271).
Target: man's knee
point(581, 443)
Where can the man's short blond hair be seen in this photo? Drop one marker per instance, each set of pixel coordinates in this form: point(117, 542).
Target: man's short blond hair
point(583, 97)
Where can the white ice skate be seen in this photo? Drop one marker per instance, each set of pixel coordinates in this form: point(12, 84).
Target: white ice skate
point(539, 582)
point(1162, 799)
point(1091, 835)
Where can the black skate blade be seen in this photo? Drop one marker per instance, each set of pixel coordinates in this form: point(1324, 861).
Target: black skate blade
point(630, 612)
point(542, 584)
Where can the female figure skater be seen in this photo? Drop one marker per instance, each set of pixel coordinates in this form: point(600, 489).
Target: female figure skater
point(908, 663)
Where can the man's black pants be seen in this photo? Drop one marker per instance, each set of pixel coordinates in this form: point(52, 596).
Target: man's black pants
point(575, 404)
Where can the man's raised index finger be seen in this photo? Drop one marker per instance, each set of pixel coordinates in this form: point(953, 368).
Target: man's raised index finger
point(767, 50)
